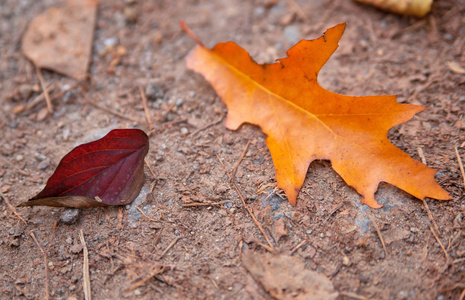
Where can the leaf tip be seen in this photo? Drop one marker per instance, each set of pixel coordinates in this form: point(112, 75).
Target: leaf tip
point(371, 202)
point(335, 32)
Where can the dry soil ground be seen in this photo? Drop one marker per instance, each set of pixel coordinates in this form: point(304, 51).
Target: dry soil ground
point(380, 53)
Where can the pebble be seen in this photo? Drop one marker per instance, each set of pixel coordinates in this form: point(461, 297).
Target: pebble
point(65, 133)
point(184, 130)
point(44, 164)
point(19, 157)
point(414, 229)
point(309, 231)
point(111, 42)
point(133, 213)
point(25, 91)
point(15, 242)
point(11, 231)
point(345, 261)
point(40, 157)
point(292, 33)
point(131, 13)
point(153, 90)
point(70, 215)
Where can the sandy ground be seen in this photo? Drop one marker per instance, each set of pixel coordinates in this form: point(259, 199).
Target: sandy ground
point(159, 248)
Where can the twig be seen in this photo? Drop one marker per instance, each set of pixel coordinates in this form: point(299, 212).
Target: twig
point(297, 10)
point(138, 208)
point(207, 126)
point(213, 281)
point(167, 111)
point(39, 98)
point(462, 295)
point(47, 286)
point(233, 172)
point(460, 165)
point(458, 260)
point(44, 88)
point(233, 182)
point(442, 247)
point(85, 268)
point(203, 204)
point(378, 231)
point(297, 247)
point(170, 246)
point(268, 248)
point(352, 295)
point(428, 211)
point(150, 168)
point(422, 155)
point(430, 215)
point(113, 112)
point(158, 237)
point(12, 208)
point(146, 110)
point(158, 269)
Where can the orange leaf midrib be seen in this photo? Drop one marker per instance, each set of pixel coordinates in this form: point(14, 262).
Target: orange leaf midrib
point(267, 91)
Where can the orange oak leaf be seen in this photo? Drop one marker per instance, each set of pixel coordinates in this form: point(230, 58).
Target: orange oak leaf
point(305, 122)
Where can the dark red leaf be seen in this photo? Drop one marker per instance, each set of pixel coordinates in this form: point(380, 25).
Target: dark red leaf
point(111, 169)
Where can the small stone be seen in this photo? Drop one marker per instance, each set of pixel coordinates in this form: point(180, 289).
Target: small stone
point(40, 157)
point(42, 114)
point(70, 215)
point(292, 33)
point(184, 130)
point(365, 277)
point(158, 37)
point(44, 164)
point(414, 229)
point(322, 235)
point(153, 90)
point(15, 242)
point(232, 210)
point(131, 13)
point(65, 133)
point(110, 42)
point(309, 231)
point(19, 109)
point(25, 91)
point(346, 261)
point(76, 248)
point(222, 213)
point(19, 157)
point(11, 231)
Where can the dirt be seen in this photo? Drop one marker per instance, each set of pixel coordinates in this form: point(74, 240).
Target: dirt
point(160, 248)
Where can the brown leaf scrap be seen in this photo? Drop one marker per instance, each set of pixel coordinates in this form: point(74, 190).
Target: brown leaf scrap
point(305, 122)
point(285, 277)
point(61, 38)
